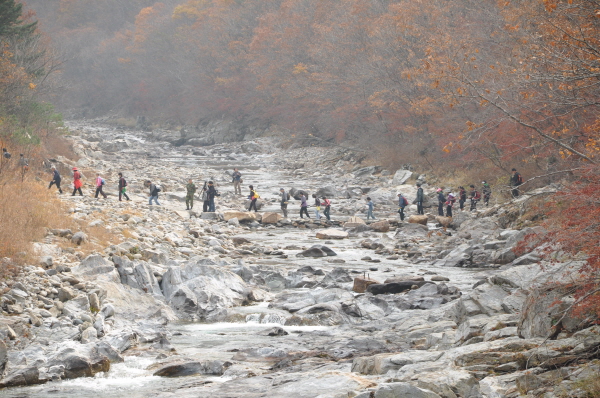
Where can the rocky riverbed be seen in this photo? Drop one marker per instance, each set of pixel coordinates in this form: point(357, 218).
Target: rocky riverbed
point(236, 304)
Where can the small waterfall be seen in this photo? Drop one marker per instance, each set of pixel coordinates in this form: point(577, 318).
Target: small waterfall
point(265, 318)
point(253, 318)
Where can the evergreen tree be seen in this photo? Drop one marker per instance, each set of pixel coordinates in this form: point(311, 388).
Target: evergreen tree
point(11, 25)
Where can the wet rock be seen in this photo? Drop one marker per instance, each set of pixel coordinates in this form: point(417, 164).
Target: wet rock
point(439, 278)
point(276, 331)
point(325, 249)
point(312, 252)
point(390, 288)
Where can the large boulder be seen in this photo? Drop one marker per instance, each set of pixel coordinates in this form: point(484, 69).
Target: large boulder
point(354, 222)
point(401, 176)
point(418, 219)
point(199, 289)
point(328, 191)
point(380, 226)
point(411, 230)
point(271, 218)
point(240, 215)
point(444, 221)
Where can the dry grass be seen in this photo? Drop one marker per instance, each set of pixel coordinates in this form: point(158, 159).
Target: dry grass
point(56, 144)
point(26, 209)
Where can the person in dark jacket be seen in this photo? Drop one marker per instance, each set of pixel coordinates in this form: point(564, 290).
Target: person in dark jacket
point(253, 198)
point(55, 179)
point(205, 201)
point(487, 193)
point(450, 199)
point(441, 201)
point(285, 197)
point(515, 180)
point(462, 197)
point(402, 202)
point(212, 192)
point(189, 197)
point(237, 182)
point(122, 187)
point(419, 199)
point(327, 203)
point(154, 190)
point(474, 196)
point(303, 206)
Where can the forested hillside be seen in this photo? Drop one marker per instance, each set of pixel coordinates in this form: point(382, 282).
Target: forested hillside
point(504, 81)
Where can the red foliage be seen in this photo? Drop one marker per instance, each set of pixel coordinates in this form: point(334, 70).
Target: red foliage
point(573, 226)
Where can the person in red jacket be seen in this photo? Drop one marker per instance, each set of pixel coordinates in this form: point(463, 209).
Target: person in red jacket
point(77, 183)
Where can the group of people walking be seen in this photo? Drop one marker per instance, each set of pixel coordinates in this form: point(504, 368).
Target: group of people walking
point(446, 200)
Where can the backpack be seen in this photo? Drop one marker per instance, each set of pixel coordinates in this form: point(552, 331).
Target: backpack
point(477, 195)
point(256, 196)
point(405, 201)
point(102, 182)
point(519, 179)
point(157, 189)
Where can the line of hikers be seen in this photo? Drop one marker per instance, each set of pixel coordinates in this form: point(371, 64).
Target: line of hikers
point(209, 192)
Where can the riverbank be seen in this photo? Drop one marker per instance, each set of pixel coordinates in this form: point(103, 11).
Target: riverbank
point(173, 293)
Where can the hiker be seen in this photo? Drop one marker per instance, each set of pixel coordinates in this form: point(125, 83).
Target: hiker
point(55, 179)
point(212, 192)
point(99, 184)
point(450, 199)
point(122, 187)
point(515, 180)
point(237, 181)
point(462, 197)
point(317, 206)
point(419, 199)
point(154, 190)
point(370, 206)
point(23, 162)
point(77, 183)
point(402, 203)
point(441, 202)
point(474, 196)
point(205, 201)
point(189, 197)
point(327, 203)
point(285, 197)
point(6, 154)
point(253, 198)
point(487, 192)
point(303, 206)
